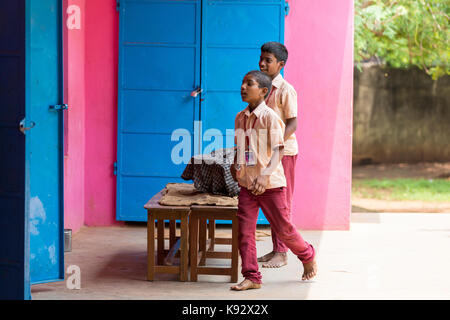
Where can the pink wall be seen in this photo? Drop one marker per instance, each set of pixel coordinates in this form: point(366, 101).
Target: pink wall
point(90, 133)
point(102, 27)
point(319, 37)
point(74, 155)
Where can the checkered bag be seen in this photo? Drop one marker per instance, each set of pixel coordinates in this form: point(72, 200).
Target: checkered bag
point(211, 172)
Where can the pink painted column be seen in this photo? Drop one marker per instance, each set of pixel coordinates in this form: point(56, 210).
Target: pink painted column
point(74, 93)
point(102, 32)
point(319, 37)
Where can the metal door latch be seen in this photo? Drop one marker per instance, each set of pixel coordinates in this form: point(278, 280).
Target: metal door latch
point(196, 92)
point(25, 125)
point(59, 107)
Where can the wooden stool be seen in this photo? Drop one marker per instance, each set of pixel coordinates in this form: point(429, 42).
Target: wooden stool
point(200, 250)
point(164, 262)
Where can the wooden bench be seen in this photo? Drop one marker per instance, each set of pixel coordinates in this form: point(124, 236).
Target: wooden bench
point(202, 248)
point(177, 246)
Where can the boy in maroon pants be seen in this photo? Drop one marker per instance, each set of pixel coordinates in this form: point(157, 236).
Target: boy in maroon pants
point(259, 137)
point(283, 100)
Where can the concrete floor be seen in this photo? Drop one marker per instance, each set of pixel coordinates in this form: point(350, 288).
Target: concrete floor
point(383, 256)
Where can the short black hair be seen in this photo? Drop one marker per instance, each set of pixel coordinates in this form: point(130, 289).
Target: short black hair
point(277, 49)
point(264, 81)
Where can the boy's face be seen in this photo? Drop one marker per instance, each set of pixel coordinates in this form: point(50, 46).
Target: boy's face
point(269, 64)
point(251, 92)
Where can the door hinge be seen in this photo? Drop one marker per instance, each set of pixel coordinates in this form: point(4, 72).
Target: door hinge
point(117, 5)
point(59, 107)
point(115, 168)
point(286, 8)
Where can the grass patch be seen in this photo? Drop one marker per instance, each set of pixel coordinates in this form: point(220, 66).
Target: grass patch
point(433, 190)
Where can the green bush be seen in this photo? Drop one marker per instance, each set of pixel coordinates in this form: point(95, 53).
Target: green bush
point(404, 33)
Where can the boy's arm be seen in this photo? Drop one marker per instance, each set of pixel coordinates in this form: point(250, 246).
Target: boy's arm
point(233, 165)
point(233, 168)
point(291, 127)
point(290, 108)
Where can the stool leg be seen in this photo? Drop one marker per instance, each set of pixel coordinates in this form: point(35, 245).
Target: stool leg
point(150, 248)
point(212, 233)
point(202, 240)
point(193, 246)
point(184, 258)
point(160, 259)
point(234, 250)
point(172, 233)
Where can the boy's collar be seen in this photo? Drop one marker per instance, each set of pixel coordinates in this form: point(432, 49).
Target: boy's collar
point(277, 81)
point(257, 111)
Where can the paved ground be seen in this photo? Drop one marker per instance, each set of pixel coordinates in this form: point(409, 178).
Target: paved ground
point(382, 256)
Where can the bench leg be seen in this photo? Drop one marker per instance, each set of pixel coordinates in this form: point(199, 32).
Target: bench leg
point(193, 246)
point(172, 232)
point(160, 240)
point(202, 240)
point(212, 233)
point(150, 248)
point(184, 258)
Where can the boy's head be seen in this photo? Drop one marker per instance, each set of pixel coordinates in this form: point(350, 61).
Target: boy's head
point(255, 87)
point(273, 58)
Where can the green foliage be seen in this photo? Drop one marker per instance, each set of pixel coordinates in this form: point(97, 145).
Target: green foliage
point(404, 33)
point(403, 189)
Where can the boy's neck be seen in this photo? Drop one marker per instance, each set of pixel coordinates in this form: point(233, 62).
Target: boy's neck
point(276, 75)
point(253, 106)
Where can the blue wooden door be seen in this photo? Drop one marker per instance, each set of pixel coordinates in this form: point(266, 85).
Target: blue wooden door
point(31, 226)
point(233, 32)
point(44, 142)
point(167, 49)
point(159, 67)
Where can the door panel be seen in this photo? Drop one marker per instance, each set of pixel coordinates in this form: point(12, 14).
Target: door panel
point(159, 66)
point(44, 197)
point(233, 34)
point(31, 226)
point(165, 47)
point(14, 279)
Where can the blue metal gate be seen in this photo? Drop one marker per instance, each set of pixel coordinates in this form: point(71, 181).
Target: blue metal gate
point(31, 226)
point(166, 50)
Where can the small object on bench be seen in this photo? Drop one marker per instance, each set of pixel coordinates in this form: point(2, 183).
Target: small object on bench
point(200, 249)
point(159, 213)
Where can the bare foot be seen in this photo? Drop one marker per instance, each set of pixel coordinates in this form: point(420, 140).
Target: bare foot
point(266, 257)
point(278, 260)
point(245, 285)
point(310, 270)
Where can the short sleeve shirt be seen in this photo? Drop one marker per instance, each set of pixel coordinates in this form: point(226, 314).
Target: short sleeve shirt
point(283, 100)
point(265, 132)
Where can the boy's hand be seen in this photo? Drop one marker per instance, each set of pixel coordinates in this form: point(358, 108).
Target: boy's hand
point(259, 185)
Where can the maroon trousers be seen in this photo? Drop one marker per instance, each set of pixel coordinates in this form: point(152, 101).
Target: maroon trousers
point(289, 172)
point(274, 206)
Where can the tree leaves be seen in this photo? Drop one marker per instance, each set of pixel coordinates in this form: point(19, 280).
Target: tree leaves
point(404, 33)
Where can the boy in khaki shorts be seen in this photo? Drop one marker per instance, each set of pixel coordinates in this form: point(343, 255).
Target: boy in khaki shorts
point(259, 138)
point(283, 100)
